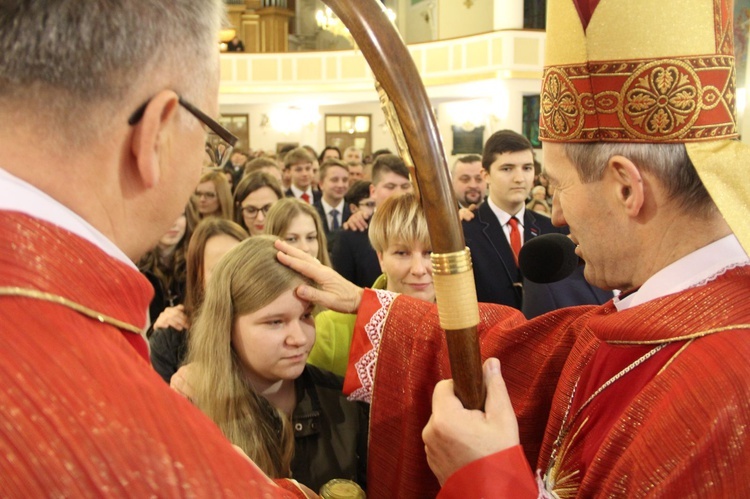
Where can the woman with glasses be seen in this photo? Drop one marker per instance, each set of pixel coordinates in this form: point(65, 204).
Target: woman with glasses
point(212, 198)
point(299, 224)
point(254, 196)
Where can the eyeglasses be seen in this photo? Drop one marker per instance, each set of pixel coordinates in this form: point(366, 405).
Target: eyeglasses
point(207, 195)
point(220, 151)
point(366, 204)
point(252, 211)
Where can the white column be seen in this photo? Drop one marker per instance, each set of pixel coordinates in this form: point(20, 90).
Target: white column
point(508, 14)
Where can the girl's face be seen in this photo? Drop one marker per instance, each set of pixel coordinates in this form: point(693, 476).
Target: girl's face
point(408, 270)
point(303, 235)
point(175, 234)
point(206, 199)
point(273, 343)
point(216, 247)
point(259, 201)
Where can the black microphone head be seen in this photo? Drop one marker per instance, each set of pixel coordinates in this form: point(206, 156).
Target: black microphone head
point(548, 258)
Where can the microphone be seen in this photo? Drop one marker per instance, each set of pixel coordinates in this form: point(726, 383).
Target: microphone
point(548, 258)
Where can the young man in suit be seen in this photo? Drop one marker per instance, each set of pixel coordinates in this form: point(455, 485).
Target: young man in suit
point(333, 210)
point(298, 163)
point(503, 224)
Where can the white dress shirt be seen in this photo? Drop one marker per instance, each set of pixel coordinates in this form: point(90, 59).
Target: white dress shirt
point(695, 269)
point(504, 219)
point(327, 208)
point(18, 195)
point(298, 193)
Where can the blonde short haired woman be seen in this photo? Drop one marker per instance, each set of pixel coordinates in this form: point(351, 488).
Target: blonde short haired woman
point(398, 233)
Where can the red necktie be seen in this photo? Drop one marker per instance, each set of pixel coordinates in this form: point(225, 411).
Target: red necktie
point(305, 197)
point(515, 237)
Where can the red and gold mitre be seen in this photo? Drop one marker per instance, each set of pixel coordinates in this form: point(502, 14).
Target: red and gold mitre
point(651, 71)
point(638, 71)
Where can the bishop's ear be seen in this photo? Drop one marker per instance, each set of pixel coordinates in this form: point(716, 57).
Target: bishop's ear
point(150, 133)
point(627, 181)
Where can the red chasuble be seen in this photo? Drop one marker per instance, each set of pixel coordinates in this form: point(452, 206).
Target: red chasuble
point(674, 424)
point(82, 412)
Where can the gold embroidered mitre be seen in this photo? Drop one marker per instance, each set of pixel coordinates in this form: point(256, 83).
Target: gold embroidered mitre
point(651, 71)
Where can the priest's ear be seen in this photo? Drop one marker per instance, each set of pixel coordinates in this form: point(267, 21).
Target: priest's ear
point(150, 131)
point(627, 182)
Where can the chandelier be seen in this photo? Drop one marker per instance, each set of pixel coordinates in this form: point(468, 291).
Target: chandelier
point(328, 21)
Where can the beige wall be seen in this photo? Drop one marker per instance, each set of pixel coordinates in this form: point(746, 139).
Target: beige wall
point(266, 138)
point(499, 67)
point(456, 19)
point(418, 22)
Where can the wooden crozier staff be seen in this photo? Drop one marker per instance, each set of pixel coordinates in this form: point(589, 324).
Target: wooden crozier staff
point(455, 292)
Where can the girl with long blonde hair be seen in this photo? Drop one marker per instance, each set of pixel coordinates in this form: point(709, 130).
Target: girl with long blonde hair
point(247, 371)
point(299, 224)
point(212, 198)
point(211, 240)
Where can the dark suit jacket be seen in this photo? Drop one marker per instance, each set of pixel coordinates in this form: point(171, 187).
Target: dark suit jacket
point(331, 235)
point(498, 278)
point(316, 195)
point(236, 176)
point(354, 258)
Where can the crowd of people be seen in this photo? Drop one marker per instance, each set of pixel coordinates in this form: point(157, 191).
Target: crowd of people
point(228, 332)
point(386, 246)
point(175, 325)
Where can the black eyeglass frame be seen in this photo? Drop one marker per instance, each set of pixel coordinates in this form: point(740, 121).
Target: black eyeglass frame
point(265, 209)
point(211, 123)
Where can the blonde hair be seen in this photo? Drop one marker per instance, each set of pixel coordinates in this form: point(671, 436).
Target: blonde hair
point(400, 219)
point(284, 211)
point(208, 228)
point(223, 194)
point(245, 280)
point(296, 156)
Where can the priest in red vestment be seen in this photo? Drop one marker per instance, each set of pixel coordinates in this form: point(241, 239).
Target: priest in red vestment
point(100, 150)
point(647, 395)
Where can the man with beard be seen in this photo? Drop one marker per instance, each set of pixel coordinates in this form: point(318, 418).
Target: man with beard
point(468, 183)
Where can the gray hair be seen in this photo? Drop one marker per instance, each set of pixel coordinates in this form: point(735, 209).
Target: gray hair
point(67, 58)
point(669, 163)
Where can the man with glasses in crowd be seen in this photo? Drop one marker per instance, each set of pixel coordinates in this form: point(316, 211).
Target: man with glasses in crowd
point(93, 96)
